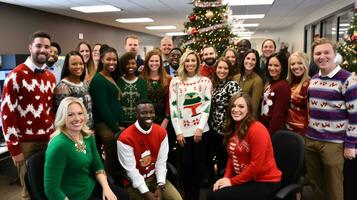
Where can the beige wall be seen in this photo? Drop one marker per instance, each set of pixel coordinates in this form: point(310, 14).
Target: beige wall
point(17, 23)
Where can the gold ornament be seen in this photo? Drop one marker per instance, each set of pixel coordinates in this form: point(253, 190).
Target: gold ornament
point(209, 14)
point(189, 29)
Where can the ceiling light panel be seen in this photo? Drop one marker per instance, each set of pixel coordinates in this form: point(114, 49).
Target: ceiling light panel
point(134, 20)
point(248, 2)
point(96, 9)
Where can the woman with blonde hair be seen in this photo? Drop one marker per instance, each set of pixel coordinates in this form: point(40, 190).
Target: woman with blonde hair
point(72, 160)
point(190, 101)
point(298, 78)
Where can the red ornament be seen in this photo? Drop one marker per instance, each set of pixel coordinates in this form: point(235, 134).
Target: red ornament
point(192, 18)
point(194, 31)
point(354, 37)
point(356, 9)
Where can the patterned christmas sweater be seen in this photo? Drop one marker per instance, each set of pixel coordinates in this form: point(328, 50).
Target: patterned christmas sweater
point(252, 158)
point(143, 154)
point(297, 112)
point(275, 103)
point(130, 93)
point(26, 106)
point(79, 90)
point(190, 102)
point(333, 108)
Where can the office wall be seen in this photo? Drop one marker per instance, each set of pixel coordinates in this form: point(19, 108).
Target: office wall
point(294, 34)
point(17, 23)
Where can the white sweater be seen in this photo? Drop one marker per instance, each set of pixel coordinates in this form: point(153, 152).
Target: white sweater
point(190, 101)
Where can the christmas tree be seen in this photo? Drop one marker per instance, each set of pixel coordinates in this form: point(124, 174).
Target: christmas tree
point(348, 47)
point(208, 25)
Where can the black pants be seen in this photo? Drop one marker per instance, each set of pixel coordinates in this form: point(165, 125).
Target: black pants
point(120, 193)
point(350, 177)
point(191, 165)
point(247, 191)
point(215, 148)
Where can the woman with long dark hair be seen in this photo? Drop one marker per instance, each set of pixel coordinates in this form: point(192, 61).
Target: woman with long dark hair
point(251, 171)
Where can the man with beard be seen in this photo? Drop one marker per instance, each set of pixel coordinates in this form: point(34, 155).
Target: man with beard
point(142, 151)
point(27, 114)
point(173, 61)
point(132, 44)
point(52, 64)
point(166, 46)
point(209, 57)
point(243, 46)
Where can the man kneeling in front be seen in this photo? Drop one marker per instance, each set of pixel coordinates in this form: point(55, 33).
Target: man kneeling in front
point(142, 151)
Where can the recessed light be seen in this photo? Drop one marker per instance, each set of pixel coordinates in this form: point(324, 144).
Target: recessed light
point(248, 2)
point(160, 27)
point(134, 20)
point(255, 16)
point(96, 9)
point(176, 33)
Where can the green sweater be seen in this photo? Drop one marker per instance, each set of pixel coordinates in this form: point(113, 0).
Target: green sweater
point(106, 104)
point(130, 93)
point(254, 86)
point(69, 173)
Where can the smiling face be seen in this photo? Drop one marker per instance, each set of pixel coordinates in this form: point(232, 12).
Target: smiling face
point(274, 68)
point(174, 58)
point(85, 52)
point(165, 46)
point(96, 53)
point(191, 65)
point(40, 50)
point(324, 57)
point(145, 115)
point(296, 66)
point(154, 63)
point(239, 109)
point(209, 56)
point(53, 56)
point(231, 57)
point(249, 62)
point(268, 48)
point(109, 61)
point(75, 119)
point(222, 70)
point(75, 66)
point(130, 67)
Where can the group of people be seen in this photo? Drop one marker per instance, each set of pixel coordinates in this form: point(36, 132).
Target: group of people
point(101, 113)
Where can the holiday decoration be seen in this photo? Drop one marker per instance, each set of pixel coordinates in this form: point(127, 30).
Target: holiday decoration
point(192, 18)
point(348, 47)
point(194, 31)
point(209, 14)
point(210, 27)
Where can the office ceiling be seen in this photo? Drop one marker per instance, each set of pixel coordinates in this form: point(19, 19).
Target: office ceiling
point(281, 14)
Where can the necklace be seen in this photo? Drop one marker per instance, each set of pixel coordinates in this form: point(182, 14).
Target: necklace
point(78, 144)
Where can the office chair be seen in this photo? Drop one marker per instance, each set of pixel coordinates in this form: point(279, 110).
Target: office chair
point(289, 157)
point(34, 176)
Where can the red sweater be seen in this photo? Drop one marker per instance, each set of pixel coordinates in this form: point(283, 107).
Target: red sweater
point(27, 113)
point(276, 99)
point(207, 71)
point(145, 146)
point(252, 159)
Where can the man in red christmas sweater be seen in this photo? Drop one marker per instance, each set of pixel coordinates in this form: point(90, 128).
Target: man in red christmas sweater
point(142, 151)
point(26, 105)
point(209, 57)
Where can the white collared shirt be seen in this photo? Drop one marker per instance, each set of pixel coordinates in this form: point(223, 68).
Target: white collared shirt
point(32, 65)
point(332, 73)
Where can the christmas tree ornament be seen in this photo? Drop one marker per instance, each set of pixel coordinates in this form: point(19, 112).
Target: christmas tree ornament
point(194, 31)
point(209, 14)
point(192, 18)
